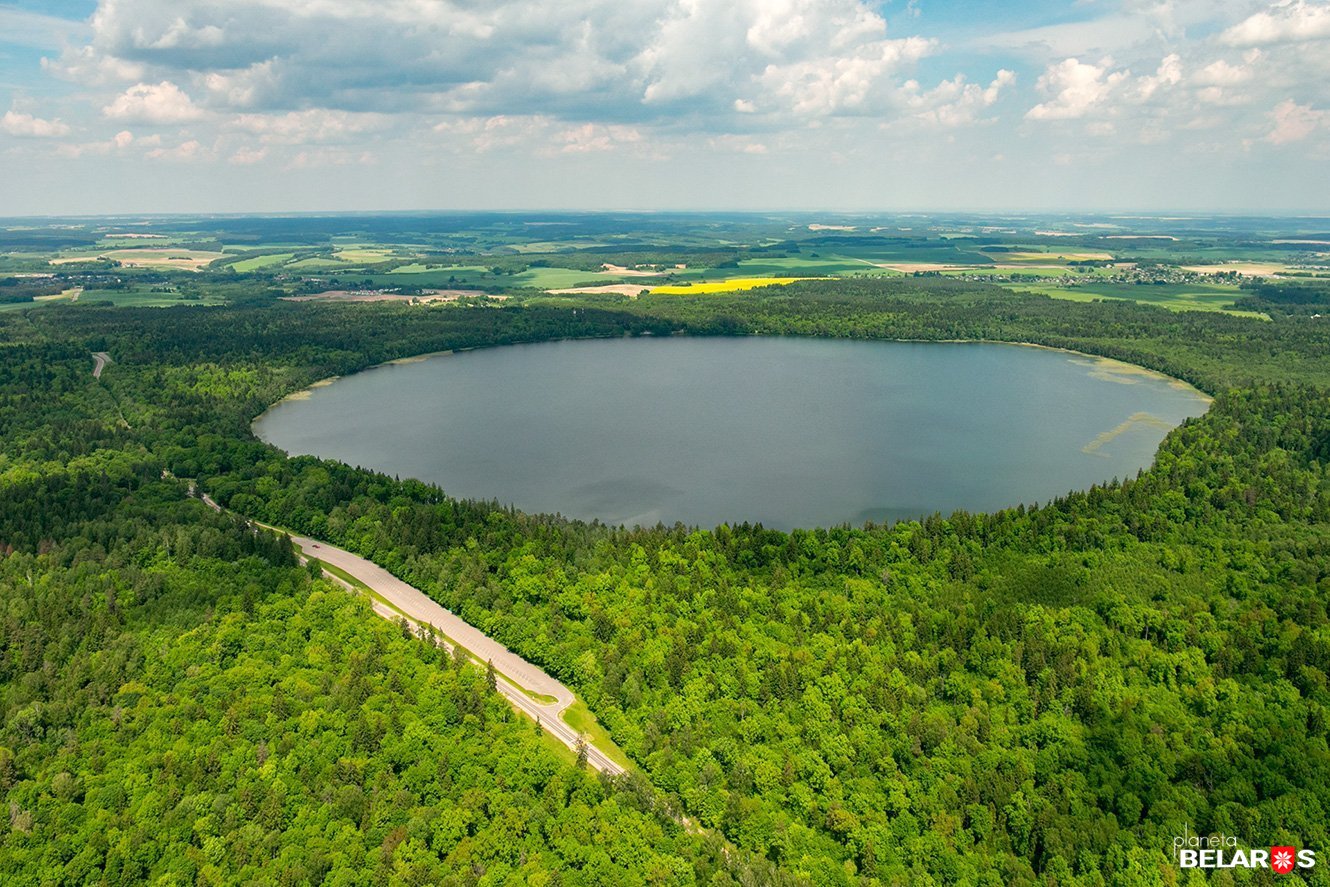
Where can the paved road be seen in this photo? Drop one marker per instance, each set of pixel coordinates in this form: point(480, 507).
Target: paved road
point(100, 360)
point(516, 675)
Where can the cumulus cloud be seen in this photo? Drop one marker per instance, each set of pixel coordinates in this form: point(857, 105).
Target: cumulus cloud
point(1075, 88)
point(955, 102)
point(248, 156)
point(187, 151)
point(1168, 74)
point(738, 144)
point(352, 82)
point(321, 157)
point(1286, 22)
point(603, 60)
point(117, 144)
point(153, 103)
point(836, 84)
point(1294, 122)
point(303, 127)
point(27, 126)
point(590, 137)
point(91, 67)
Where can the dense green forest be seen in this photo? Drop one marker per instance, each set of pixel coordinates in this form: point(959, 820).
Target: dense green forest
point(1045, 695)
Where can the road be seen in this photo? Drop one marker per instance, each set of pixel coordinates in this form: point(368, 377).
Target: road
point(517, 678)
point(100, 360)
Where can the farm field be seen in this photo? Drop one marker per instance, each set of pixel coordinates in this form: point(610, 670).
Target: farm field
point(618, 257)
point(258, 262)
point(1175, 297)
point(736, 284)
point(147, 257)
point(144, 299)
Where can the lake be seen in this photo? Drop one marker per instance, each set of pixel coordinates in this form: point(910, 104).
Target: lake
point(783, 431)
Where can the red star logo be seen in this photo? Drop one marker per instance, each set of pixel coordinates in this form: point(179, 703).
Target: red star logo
point(1281, 859)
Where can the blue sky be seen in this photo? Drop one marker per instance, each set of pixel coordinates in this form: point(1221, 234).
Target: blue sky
point(269, 105)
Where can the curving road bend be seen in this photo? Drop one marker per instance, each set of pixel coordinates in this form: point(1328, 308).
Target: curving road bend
point(516, 677)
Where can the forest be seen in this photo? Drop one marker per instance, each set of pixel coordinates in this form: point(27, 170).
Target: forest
point(1042, 695)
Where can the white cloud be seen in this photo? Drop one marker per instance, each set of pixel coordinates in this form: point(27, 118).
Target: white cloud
point(1169, 73)
point(836, 84)
point(1294, 122)
point(187, 151)
point(738, 143)
point(27, 126)
point(578, 60)
point(244, 88)
point(1221, 73)
point(955, 102)
point(248, 156)
point(115, 145)
point(304, 127)
point(497, 133)
point(1285, 22)
point(595, 137)
point(180, 34)
point(455, 86)
point(1076, 88)
point(88, 66)
point(153, 103)
point(321, 157)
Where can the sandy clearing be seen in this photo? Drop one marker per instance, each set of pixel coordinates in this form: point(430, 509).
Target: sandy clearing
point(134, 236)
point(622, 289)
point(1255, 269)
point(1307, 242)
point(1058, 234)
point(1139, 237)
point(817, 227)
point(363, 255)
point(910, 267)
point(629, 272)
point(186, 259)
point(1050, 257)
point(72, 294)
point(166, 257)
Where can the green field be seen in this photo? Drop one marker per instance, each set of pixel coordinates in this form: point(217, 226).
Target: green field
point(316, 264)
point(1174, 296)
point(145, 299)
point(257, 262)
point(580, 718)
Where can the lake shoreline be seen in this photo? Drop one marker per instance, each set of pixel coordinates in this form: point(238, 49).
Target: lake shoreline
point(783, 430)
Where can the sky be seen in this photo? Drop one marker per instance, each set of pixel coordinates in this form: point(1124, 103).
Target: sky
point(141, 106)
